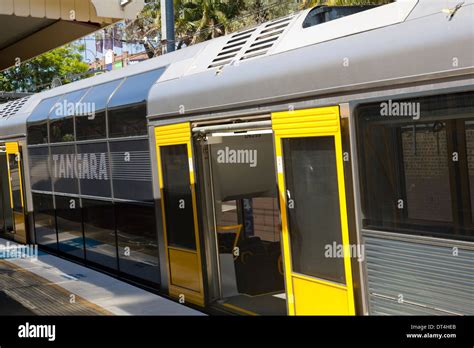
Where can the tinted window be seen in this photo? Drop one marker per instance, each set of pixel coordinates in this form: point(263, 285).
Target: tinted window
point(40, 176)
point(93, 169)
point(131, 170)
point(99, 232)
point(38, 122)
point(469, 133)
point(138, 247)
point(69, 222)
point(94, 126)
point(415, 165)
point(128, 121)
point(15, 182)
point(91, 127)
point(61, 125)
point(45, 222)
point(314, 218)
point(127, 108)
point(65, 169)
point(177, 196)
point(323, 14)
point(7, 224)
point(426, 172)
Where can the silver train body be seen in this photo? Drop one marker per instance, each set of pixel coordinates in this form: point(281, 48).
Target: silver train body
point(418, 247)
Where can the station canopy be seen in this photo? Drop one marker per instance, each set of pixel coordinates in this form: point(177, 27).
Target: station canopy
point(31, 27)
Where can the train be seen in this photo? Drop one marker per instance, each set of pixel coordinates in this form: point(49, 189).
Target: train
point(316, 164)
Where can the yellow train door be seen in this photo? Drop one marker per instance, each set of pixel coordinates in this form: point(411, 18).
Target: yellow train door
point(180, 221)
point(313, 211)
point(16, 190)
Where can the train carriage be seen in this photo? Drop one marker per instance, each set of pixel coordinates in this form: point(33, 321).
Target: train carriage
point(317, 164)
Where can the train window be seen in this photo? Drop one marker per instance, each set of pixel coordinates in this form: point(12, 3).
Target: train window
point(3, 209)
point(93, 125)
point(40, 176)
point(127, 108)
point(469, 129)
point(128, 121)
point(99, 232)
point(137, 241)
point(37, 125)
point(15, 182)
point(323, 14)
point(426, 174)
point(69, 223)
point(64, 168)
point(93, 169)
point(315, 219)
point(61, 124)
point(414, 158)
point(45, 222)
point(177, 197)
point(131, 170)
point(7, 220)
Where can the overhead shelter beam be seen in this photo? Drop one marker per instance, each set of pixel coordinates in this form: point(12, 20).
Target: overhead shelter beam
point(37, 26)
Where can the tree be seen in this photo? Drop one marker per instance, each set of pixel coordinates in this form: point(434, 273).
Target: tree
point(195, 21)
point(200, 20)
point(64, 63)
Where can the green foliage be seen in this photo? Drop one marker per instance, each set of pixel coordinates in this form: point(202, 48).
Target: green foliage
point(195, 21)
point(64, 63)
point(200, 20)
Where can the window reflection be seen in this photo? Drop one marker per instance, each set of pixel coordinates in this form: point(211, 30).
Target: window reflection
point(61, 124)
point(6, 213)
point(177, 197)
point(99, 232)
point(69, 224)
point(94, 126)
point(38, 122)
point(127, 108)
point(469, 129)
point(137, 241)
point(40, 176)
point(425, 159)
point(45, 223)
point(415, 172)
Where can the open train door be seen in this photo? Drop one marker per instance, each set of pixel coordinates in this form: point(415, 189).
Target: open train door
point(180, 221)
point(313, 212)
point(15, 191)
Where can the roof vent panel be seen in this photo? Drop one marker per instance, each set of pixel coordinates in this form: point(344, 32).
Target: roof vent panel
point(12, 107)
point(266, 38)
point(251, 43)
point(232, 48)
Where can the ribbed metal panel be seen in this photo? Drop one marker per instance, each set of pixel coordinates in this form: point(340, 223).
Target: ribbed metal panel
point(429, 277)
point(137, 169)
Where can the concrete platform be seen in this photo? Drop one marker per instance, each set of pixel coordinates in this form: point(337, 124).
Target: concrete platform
point(102, 293)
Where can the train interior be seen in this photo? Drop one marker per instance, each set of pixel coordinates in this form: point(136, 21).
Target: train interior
point(246, 220)
point(12, 216)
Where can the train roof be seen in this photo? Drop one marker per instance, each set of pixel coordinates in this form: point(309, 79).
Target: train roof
point(403, 42)
point(281, 60)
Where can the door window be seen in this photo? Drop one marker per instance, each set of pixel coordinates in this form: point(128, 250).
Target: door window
point(313, 206)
